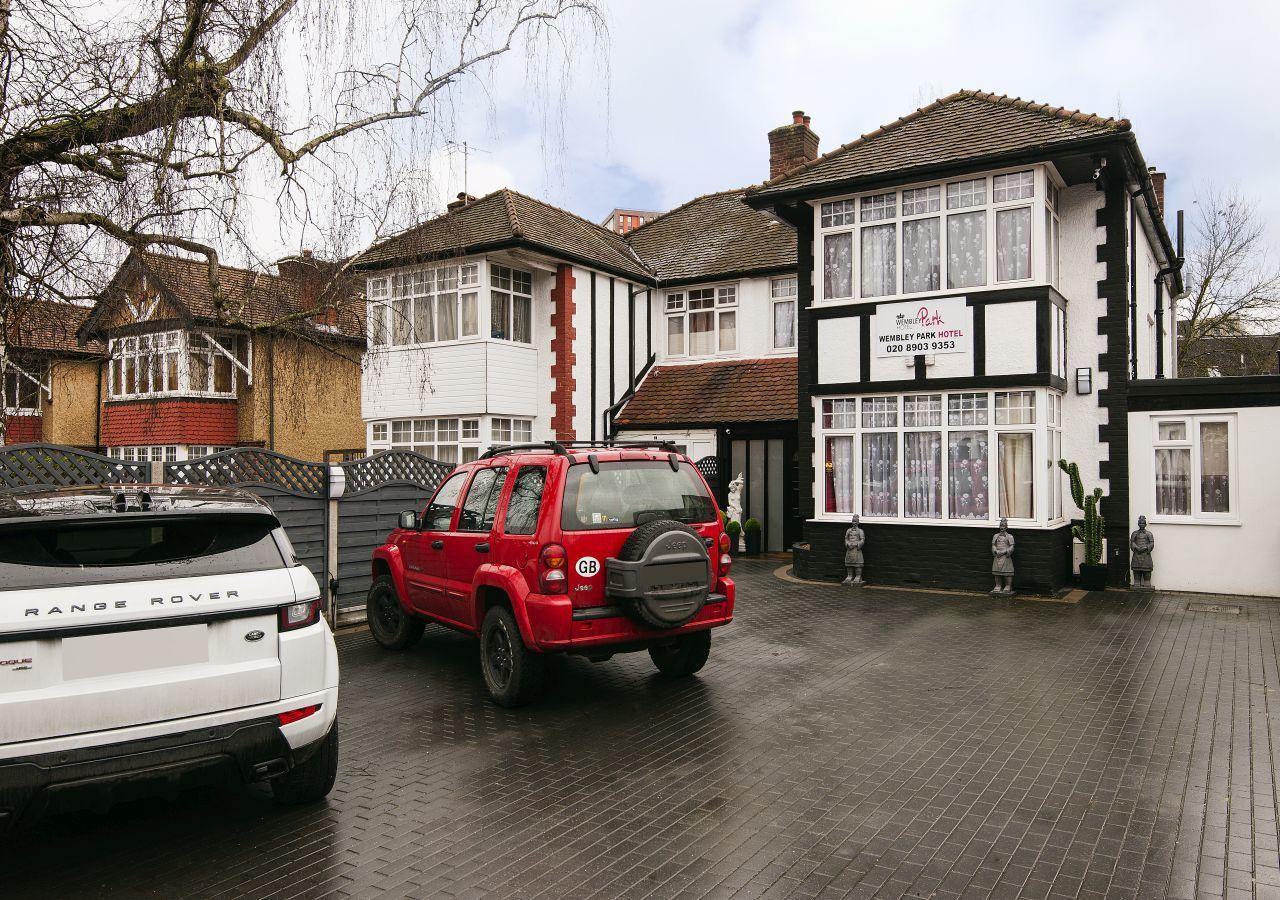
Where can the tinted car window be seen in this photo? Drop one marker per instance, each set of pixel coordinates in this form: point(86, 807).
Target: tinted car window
point(64, 553)
point(526, 500)
point(482, 500)
point(439, 513)
point(630, 493)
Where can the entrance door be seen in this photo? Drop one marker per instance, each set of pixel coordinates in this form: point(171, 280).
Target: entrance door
point(768, 466)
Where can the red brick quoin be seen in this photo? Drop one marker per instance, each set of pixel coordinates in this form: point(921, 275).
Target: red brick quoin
point(133, 423)
point(22, 429)
point(563, 358)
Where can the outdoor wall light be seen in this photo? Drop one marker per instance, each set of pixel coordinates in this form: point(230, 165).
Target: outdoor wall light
point(1084, 380)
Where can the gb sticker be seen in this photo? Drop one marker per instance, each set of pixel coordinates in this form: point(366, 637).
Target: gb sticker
point(587, 566)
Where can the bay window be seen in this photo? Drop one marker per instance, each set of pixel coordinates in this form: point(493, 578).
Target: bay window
point(702, 321)
point(205, 363)
point(930, 456)
point(425, 306)
point(511, 304)
point(910, 242)
point(783, 291)
point(1194, 463)
point(448, 440)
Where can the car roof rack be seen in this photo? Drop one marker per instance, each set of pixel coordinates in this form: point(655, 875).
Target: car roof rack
point(562, 448)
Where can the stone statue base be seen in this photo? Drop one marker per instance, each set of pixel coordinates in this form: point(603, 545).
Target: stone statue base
point(853, 576)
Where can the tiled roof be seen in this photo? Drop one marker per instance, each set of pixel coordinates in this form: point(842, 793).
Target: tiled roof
point(747, 390)
point(506, 216)
point(960, 126)
point(713, 236)
point(50, 326)
point(253, 298)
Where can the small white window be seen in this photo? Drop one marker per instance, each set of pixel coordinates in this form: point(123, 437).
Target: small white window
point(921, 200)
point(1194, 463)
point(1015, 186)
point(783, 292)
point(961, 194)
point(878, 207)
point(837, 212)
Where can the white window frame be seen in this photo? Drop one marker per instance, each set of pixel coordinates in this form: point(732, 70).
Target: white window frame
point(1043, 179)
point(495, 272)
point(724, 298)
point(131, 347)
point(776, 299)
point(21, 376)
point(1042, 431)
point(466, 442)
point(380, 290)
point(1193, 423)
point(148, 453)
point(510, 430)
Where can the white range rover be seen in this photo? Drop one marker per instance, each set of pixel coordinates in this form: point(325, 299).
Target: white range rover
point(156, 638)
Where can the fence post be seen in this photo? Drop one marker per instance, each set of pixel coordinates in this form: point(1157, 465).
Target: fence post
point(156, 472)
point(336, 485)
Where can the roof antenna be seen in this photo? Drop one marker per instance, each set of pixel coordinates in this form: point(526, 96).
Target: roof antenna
point(466, 153)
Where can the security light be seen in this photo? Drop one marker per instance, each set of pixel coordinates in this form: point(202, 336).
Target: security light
point(1084, 380)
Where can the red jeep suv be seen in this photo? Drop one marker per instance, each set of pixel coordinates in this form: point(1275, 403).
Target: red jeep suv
point(593, 549)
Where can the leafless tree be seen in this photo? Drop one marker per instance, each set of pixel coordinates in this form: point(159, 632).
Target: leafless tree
point(1233, 285)
point(153, 123)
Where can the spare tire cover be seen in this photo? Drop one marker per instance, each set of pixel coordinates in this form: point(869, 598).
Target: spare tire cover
point(664, 571)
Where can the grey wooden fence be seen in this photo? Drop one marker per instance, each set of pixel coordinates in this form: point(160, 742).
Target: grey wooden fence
point(335, 514)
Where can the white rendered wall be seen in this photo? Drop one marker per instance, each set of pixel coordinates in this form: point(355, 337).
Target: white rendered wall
point(1011, 338)
point(1081, 272)
point(839, 349)
point(1217, 558)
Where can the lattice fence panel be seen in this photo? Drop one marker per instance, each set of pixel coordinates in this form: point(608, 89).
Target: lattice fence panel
point(49, 465)
point(394, 467)
point(248, 466)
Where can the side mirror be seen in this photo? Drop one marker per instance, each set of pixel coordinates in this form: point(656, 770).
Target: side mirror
point(409, 520)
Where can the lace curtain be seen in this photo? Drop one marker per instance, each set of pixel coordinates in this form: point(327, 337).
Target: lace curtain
point(967, 474)
point(921, 246)
point(837, 265)
point(447, 317)
point(879, 474)
point(879, 260)
point(840, 474)
point(967, 249)
point(784, 324)
point(1173, 481)
point(923, 456)
point(1013, 244)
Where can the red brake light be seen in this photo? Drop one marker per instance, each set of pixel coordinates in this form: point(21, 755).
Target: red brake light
point(299, 615)
point(724, 542)
point(294, 715)
point(552, 579)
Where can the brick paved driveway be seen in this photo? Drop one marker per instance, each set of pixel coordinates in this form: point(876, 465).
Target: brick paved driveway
point(898, 744)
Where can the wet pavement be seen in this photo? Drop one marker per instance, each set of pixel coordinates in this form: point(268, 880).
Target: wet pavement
point(883, 744)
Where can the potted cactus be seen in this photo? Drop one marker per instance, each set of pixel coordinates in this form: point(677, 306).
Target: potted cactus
point(1093, 572)
point(751, 529)
point(734, 529)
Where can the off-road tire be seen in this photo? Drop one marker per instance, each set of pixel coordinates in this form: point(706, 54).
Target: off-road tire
point(389, 623)
point(512, 672)
point(633, 549)
point(311, 780)
point(683, 656)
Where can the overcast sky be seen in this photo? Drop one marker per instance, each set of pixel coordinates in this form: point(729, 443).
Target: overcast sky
point(689, 88)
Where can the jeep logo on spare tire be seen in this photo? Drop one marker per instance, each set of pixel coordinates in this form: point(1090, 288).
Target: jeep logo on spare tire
point(662, 573)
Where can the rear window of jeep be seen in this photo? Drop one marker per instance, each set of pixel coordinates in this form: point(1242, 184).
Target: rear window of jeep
point(629, 493)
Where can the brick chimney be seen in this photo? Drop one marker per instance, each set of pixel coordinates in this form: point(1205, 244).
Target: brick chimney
point(1157, 181)
point(791, 145)
point(464, 199)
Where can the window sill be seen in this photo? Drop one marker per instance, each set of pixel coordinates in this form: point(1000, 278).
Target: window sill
point(843, 519)
point(1194, 520)
point(21, 411)
point(184, 395)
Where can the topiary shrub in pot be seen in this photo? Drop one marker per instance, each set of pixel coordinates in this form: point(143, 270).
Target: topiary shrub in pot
point(734, 529)
point(1093, 572)
point(751, 529)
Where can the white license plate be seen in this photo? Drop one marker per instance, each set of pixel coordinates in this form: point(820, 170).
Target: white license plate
point(97, 655)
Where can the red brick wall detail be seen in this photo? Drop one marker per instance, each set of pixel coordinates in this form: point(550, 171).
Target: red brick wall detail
point(134, 423)
point(23, 429)
point(563, 358)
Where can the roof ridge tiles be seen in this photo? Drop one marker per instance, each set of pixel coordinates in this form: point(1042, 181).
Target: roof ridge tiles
point(1120, 124)
point(511, 212)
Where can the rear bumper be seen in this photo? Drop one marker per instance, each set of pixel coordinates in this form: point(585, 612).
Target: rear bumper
point(557, 626)
point(236, 747)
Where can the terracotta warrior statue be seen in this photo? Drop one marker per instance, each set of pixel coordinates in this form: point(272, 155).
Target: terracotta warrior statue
point(1141, 543)
point(1002, 562)
point(854, 538)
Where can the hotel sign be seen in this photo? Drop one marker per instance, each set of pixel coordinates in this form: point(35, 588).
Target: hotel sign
point(921, 326)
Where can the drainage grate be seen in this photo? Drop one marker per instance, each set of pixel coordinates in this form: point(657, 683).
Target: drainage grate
point(1214, 608)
